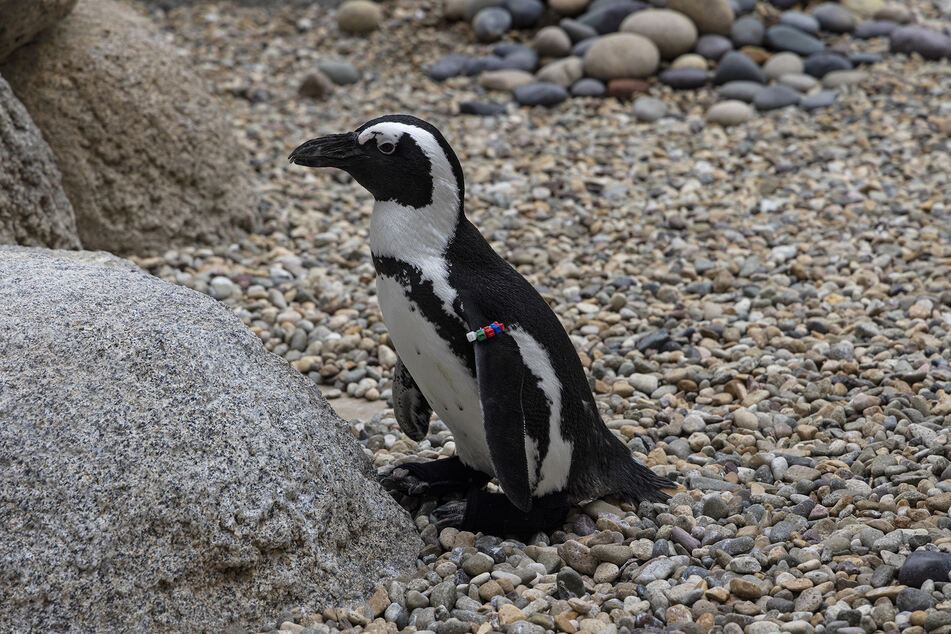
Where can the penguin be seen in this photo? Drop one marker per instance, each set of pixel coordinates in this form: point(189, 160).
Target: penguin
point(516, 399)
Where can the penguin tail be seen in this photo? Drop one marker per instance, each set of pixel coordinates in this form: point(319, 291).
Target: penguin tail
point(636, 483)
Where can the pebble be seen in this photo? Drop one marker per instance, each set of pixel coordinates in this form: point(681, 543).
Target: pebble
point(802, 21)
point(684, 78)
point(821, 64)
point(552, 41)
point(713, 46)
point(787, 38)
point(491, 23)
point(540, 94)
point(648, 109)
point(672, 32)
point(525, 13)
point(821, 99)
point(588, 87)
point(621, 55)
point(928, 43)
point(735, 66)
point(834, 17)
point(359, 16)
point(741, 90)
point(747, 31)
point(774, 97)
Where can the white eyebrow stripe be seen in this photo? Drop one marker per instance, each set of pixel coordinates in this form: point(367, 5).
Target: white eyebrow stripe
point(380, 135)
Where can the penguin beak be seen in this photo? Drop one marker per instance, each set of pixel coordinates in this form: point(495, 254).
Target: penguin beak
point(335, 150)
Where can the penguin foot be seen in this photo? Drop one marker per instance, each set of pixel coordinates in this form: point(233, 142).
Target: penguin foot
point(493, 513)
point(434, 478)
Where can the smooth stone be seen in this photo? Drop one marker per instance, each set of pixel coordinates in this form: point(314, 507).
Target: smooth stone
point(673, 33)
point(608, 19)
point(926, 42)
point(568, 7)
point(540, 94)
point(864, 8)
point(481, 109)
point(474, 6)
point(821, 64)
point(747, 31)
point(839, 78)
point(478, 65)
point(775, 97)
point(563, 72)
point(868, 30)
point(522, 59)
point(911, 599)
point(786, 38)
point(802, 21)
point(491, 23)
point(741, 90)
point(525, 13)
point(621, 55)
point(735, 66)
point(649, 109)
point(784, 63)
point(449, 66)
point(315, 85)
point(505, 80)
point(625, 88)
point(581, 48)
point(684, 78)
point(710, 16)
point(834, 17)
point(359, 16)
point(729, 113)
point(894, 13)
point(713, 46)
point(799, 81)
point(690, 60)
point(339, 72)
point(923, 565)
point(552, 41)
point(588, 87)
point(821, 99)
point(576, 30)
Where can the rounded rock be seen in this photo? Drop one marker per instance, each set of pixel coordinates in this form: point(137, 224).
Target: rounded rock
point(673, 33)
point(782, 64)
point(588, 87)
point(621, 55)
point(540, 94)
point(710, 16)
point(568, 7)
point(775, 97)
point(359, 16)
point(802, 21)
point(736, 66)
point(713, 46)
point(525, 13)
point(684, 78)
point(741, 90)
point(649, 109)
point(505, 80)
point(491, 23)
point(747, 31)
point(552, 41)
point(563, 72)
point(926, 42)
point(339, 72)
point(821, 64)
point(834, 17)
point(729, 113)
point(783, 37)
point(690, 60)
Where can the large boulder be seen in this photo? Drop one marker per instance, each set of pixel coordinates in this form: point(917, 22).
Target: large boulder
point(23, 20)
point(33, 208)
point(146, 156)
point(160, 470)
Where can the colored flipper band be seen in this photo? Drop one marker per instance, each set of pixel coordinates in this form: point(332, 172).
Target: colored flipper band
point(486, 332)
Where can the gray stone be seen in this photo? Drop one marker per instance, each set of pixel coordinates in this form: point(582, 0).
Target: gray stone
point(875, 28)
point(684, 78)
point(741, 90)
point(834, 17)
point(130, 188)
point(822, 99)
point(491, 23)
point(821, 64)
point(801, 21)
point(187, 479)
point(911, 599)
point(525, 13)
point(339, 72)
point(576, 30)
point(784, 63)
point(444, 595)
point(928, 43)
point(923, 565)
point(712, 46)
point(799, 82)
point(787, 38)
point(540, 94)
point(735, 66)
point(775, 97)
point(747, 31)
point(649, 109)
point(563, 72)
point(552, 41)
point(34, 210)
point(588, 87)
point(23, 20)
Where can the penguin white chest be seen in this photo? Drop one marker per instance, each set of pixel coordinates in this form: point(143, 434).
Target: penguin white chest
point(441, 375)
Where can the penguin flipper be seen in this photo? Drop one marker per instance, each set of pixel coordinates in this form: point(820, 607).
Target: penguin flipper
point(412, 409)
point(499, 371)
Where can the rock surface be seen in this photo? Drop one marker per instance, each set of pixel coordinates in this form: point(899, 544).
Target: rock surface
point(359, 16)
point(621, 55)
point(146, 160)
point(710, 16)
point(672, 32)
point(23, 20)
point(34, 210)
point(161, 470)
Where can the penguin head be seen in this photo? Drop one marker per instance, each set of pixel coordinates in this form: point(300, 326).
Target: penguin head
point(397, 158)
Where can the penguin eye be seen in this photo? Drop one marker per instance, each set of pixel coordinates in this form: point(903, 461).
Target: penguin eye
point(387, 147)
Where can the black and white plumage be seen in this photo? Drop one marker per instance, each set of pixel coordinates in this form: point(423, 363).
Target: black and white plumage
point(519, 405)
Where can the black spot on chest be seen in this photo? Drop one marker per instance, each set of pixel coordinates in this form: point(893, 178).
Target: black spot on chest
point(449, 326)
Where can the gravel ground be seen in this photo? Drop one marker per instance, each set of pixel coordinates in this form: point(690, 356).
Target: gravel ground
point(764, 312)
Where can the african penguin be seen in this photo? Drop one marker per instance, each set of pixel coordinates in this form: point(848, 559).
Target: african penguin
point(518, 403)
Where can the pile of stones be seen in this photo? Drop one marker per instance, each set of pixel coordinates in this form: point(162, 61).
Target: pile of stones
point(762, 55)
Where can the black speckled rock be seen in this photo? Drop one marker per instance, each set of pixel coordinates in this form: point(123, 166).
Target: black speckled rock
point(821, 64)
point(783, 37)
point(922, 565)
point(540, 94)
point(172, 458)
point(736, 66)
